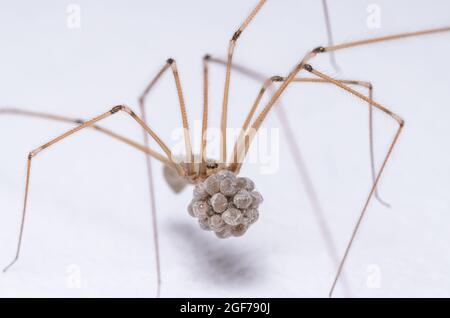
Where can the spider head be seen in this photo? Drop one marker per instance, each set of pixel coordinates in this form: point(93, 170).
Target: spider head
point(225, 204)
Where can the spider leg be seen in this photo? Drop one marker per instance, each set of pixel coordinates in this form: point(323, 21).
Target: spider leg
point(90, 123)
point(144, 149)
point(189, 156)
point(301, 165)
point(188, 145)
point(58, 118)
point(231, 48)
point(399, 36)
point(329, 34)
point(236, 164)
point(400, 122)
point(310, 55)
point(343, 85)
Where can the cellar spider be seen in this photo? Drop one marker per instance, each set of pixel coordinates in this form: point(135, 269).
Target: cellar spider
point(224, 202)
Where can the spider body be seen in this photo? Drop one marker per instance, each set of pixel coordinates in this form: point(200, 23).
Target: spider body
point(223, 202)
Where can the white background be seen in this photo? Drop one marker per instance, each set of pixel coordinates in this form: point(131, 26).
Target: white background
point(89, 206)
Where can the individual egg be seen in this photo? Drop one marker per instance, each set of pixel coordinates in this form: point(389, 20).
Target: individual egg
point(232, 216)
point(216, 223)
point(242, 199)
point(212, 185)
point(219, 202)
point(228, 187)
point(200, 209)
point(257, 199)
point(238, 230)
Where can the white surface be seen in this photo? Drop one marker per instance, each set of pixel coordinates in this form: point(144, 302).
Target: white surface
point(89, 204)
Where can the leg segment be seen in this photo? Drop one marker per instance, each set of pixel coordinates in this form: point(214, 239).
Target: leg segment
point(231, 47)
point(329, 34)
point(399, 36)
point(188, 145)
point(149, 165)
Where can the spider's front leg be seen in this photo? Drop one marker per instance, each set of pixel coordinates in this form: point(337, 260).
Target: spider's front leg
point(87, 124)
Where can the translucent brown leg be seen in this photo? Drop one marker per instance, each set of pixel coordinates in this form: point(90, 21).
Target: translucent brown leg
point(145, 149)
point(188, 145)
point(202, 170)
point(236, 165)
point(231, 47)
point(399, 36)
point(169, 64)
point(400, 121)
point(310, 55)
point(46, 116)
point(294, 73)
point(294, 149)
point(371, 147)
point(54, 141)
point(329, 34)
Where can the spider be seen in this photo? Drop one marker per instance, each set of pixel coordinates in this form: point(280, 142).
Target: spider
point(224, 202)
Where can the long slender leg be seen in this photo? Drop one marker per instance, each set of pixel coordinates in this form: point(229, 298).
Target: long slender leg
point(296, 70)
point(400, 121)
point(173, 66)
point(46, 116)
point(235, 164)
point(399, 36)
point(329, 34)
point(389, 152)
point(305, 177)
point(310, 55)
point(231, 47)
point(313, 53)
point(371, 147)
point(90, 123)
point(189, 155)
point(151, 189)
point(151, 186)
point(150, 153)
point(206, 59)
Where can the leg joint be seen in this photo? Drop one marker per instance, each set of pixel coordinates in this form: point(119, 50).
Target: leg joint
point(117, 108)
point(276, 78)
point(308, 67)
point(236, 35)
point(319, 49)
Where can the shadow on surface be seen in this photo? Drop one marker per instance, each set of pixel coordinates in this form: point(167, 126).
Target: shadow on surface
point(219, 261)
